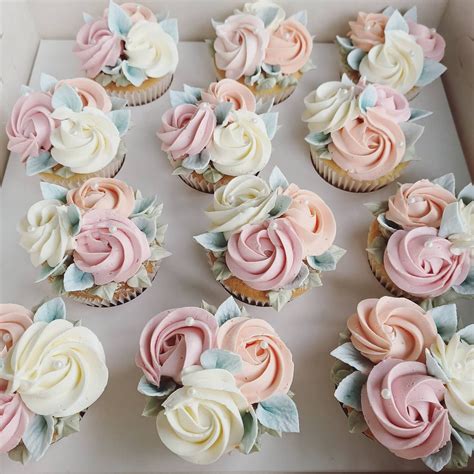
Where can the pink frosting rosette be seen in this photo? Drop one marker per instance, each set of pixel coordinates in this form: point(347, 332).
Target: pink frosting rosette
point(186, 129)
point(402, 406)
point(368, 30)
point(136, 12)
point(91, 93)
point(267, 364)
point(97, 47)
point(394, 104)
point(422, 264)
point(14, 321)
point(240, 45)
point(290, 46)
point(103, 193)
point(265, 256)
point(174, 340)
point(393, 328)
point(420, 204)
point(432, 43)
point(312, 220)
point(30, 125)
point(110, 247)
point(229, 90)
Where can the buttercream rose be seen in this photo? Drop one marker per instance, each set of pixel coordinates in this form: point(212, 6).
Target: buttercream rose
point(240, 45)
point(14, 320)
point(392, 103)
point(402, 406)
point(369, 146)
point(30, 125)
point(393, 328)
point(91, 93)
point(110, 247)
point(57, 368)
point(368, 30)
point(422, 264)
point(267, 364)
point(289, 47)
point(432, 43)
point(265, 256)
point(174, 340)
point(420, 204)
point(103, 193)
point(228, 90)
point(215, 427)
point(186, 129)
point(256, 8)
point(312, 220)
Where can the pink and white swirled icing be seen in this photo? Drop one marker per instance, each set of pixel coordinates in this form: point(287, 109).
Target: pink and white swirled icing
point(229, 90)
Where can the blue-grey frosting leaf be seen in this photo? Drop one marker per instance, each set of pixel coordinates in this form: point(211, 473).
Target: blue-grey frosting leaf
point(355, 57)
point(25, 90)
point(451, 221)
point(76, 280)
point(345, 43)
point(318, 139)
point(66, 96)
point(301, 17)
point(222, 111)
point(221, 359)
point(434, 368)
point(87, 17)
point(227, 310)
point(466, 288)
point(53, 191)
point(147, 225)
point(46, 270)
point(267, 14)
point(197, 162)
point(38, 164)
point(264, 106)
point(181, 97)
point(465, 441)
point(388, 11)
point(446, 320)
point(267, 83)
point(299, 279)
point(412, 132)
point(74, 216)
point(377, 208)
point(447, 182)
point(467, 334)
point(282, 204)
point(249, 420)
point(411, 14)
point(279, 413)
point(350, 355)
point(214, 241)
point(135, 75)
point(121, 119)
point(438, 460)
point(270, 119)
point(417, 114)
point(118, 103)
point(348, 392)
point(170, 26)
point(277, 179)
point(467, 193)
point(118, 20)
point(356, 422)
point(38, 435)
point(167, 386)
point(396, 22)
point(47, 82)
point(326, 261)
point(193, 91)
point(431, 71)
point(50, 311)
point(271, 69)
point(368, 98)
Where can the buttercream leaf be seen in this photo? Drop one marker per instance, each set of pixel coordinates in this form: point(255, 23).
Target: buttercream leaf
point(467, 334)
point(267, 14)
point(301, 17)
point(396, 22)
point(354, 58)
point(282, 204)
point(377, 208)
point(451, 221)
point(377, 248)
point(417, 114)
point(193, 91)
point(467, 193)
point(465, 441)
point(249, 420)
point(348, 354)
point(446, 320)
point(143, 205)
point(20, 454)
point(222, 111)
point(388, 11)
point(412, 132)
point(77, 280)
point(158, 253)
point(221, 359)
point(220, 270)
point(53, 191)
point(66, 96)
point(326, 261)
point(197, 162)
point(279, 298)
point(447, 182)
point(270, 119)
point(314, 279)
point(318, 139)
point(67, 425)
point(87, 17)
point(25, 90)
point(227, 310)
point(345, 43)
point(211, 175)
point(106, 292)
point(271, 69)
point(118, 20)
point(300, 279)
point(210, 308)
point(152, 407)
point(279, 413)
point(133, 74)
point(180, 97)
point(459, 458)
point(466, 288)
point(215, 23)
point(368, 98)
point(411, 14)
point(431, 71)
point(214, 241)
point(170, 26)
point(434, 368)
point(46, 270)
point(389, 226)
point(254, 78)
point(264, 106)
point(167, 386)
point(38, 436)
point(348, 392)
point(74, 217)
point(160, 233)
point(277, 179)
point(147, 226)
point(267, 83)
point(50, 311)
point(356, 422)
point(118, 103)
point(47, 82)
point(38, 164)
point(438, 460)
point(121, 120)
point(140, 279)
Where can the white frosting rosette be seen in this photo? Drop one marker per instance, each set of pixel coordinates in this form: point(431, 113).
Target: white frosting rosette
point(464, 240)
point(255, 8)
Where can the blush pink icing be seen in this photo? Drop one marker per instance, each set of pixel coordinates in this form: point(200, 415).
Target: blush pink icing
point(420, 204)
point(312, 220)
point(290, 46)
point(30, 125)
point(136, 12)
point(432, 43)
point(91, 93)
point(229, 90)
point(267, 364)
point(422, 264)
point(14, 321)
point(369, 146)
point(368, 30)
point(103, 193)
point(402, 406)
point(393, 328)
point(240, 45)
point(110, 247)
point(174, 340)
point(97, 47)
point(265, 256)
point(186, 129)
point(394, 104)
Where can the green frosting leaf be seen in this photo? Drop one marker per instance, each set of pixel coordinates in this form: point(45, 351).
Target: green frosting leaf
point(214, 241)
point(221, 359)
point(50, 311)
point(356, 422)
point(279, 413)
point(249, 420)
point(227, 310)
point(348, 392)
point(279, 298)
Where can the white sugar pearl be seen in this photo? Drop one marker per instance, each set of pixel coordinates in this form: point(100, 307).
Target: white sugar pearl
point(455, 250)
point(401, 144)
point(287, 36)
point(429, 244)
point(58, 364)
point(367, 27)
point(412, 53)
point(264, 345)
point(386, 394)
point(255, 120)
point(6, 337)
point(95, 186)
point(433, 31)
point(31, 228)
point(191, 392)
point(345, 91)
point(306, 202)
point(350, 170)
point(189, 321)
point(273, 226)
point(112, 229)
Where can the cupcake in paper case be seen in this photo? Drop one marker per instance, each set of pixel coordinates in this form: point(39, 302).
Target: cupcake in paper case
point(211, 136)
point(100, 244)
point(269, 242)
point(393, 50)
point(405, 377)
point(52, 370)
point(69, 131)
point(232, 371)
point(421, 243)
point(130, 51)
point(261, 47)
point(362, 136)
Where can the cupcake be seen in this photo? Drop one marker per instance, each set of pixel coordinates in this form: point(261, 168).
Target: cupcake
point(100, 244)
point(404, 377)
point(68, 132)
point(261, 48)
point(269, 243)
point(393, 50)
point(130, 51)
point(421, 242)
point(361, 136)
point(211, 136)
point(216, 380)
point(52, 371)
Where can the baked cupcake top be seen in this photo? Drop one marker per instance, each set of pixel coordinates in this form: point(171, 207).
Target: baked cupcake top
point(394, 50)
point(51, 371)
point(366, 129)
point(70, 126)
point(263, 47)
point(217, 132)
point(426, 240)
point(96, 238)
point(405, 378)
point(273, 236)
point(127, 45)
point(233, 371)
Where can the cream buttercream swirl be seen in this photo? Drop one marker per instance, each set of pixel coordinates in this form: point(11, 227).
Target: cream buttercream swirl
point(14, 320)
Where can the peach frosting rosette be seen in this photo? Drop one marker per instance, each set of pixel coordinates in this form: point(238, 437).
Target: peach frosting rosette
point(14, 320)
point(228, 90)
point(367, 30)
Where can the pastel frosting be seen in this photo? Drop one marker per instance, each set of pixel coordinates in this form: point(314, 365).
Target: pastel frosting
point(14, 320)
point(229, 90)
point(368, 30)
point(257, 7)
point(91, 92)
point(393, 328)
point(267, 364)
point(136, 12)
point(432, 43)
point(403, 408)
point(392, 102)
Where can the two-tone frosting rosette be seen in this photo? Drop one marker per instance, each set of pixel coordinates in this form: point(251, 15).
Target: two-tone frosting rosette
point(216, 380)
point(421, 244)
point(51, 371)
point(211, 136)
point(405, 378)
point(394, 50)
point(130, 51)
point(269, 242)
point(362, 136)
point(100, 244)
point(69, 131)
point(262, 48)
